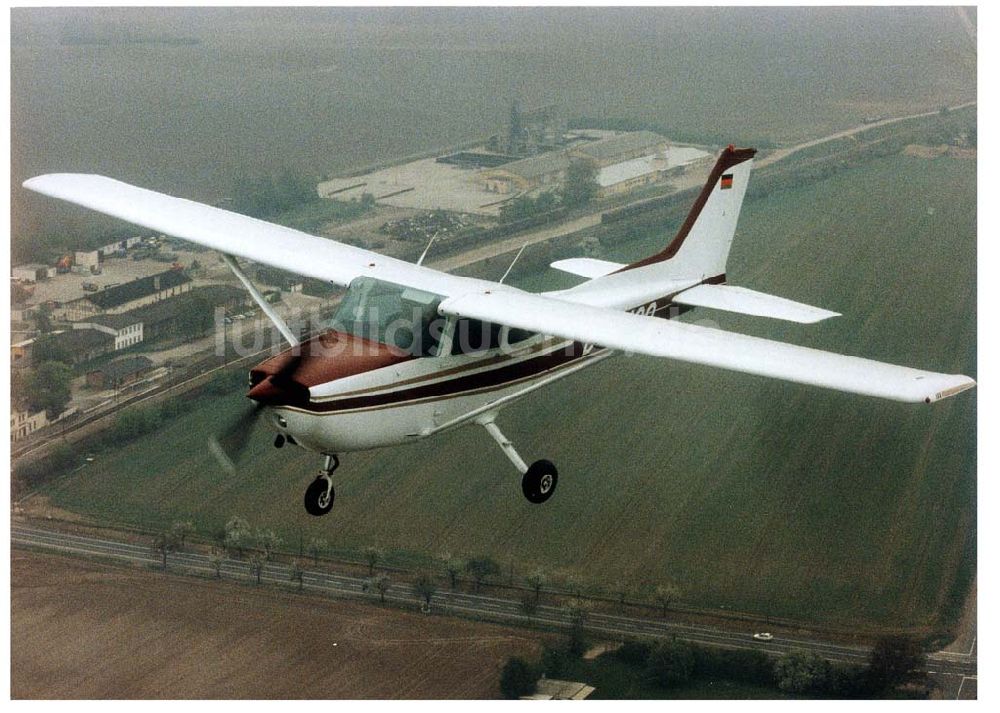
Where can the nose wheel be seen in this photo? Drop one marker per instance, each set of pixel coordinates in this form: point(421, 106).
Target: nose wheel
point(320, 495)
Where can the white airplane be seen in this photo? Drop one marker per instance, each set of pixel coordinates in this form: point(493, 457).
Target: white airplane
point(412, 352)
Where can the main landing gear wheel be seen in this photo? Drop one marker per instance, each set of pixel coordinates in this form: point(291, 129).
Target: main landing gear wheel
point(319, 495)
point(540, 481)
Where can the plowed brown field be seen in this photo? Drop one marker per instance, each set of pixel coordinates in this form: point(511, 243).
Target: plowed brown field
point(80, 629)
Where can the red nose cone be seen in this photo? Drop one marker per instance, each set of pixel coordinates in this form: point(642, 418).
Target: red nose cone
point(270, 393)
point(286, 378)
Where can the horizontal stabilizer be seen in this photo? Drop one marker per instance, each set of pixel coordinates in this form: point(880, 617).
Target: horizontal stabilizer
point(587, 267)
point(758, 304)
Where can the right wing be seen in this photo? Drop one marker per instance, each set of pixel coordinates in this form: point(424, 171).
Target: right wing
point(240, 235)
point(702, 345)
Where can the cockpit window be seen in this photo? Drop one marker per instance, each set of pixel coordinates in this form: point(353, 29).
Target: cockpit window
point(391, 314)
point(515, 335)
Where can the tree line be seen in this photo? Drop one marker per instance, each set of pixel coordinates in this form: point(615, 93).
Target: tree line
point(896, 667)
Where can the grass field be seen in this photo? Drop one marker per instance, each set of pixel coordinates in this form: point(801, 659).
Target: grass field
point(85, 630)
point(749, 494)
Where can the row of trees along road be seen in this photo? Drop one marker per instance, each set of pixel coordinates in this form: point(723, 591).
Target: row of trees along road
point(239, 540)
point(897, 664)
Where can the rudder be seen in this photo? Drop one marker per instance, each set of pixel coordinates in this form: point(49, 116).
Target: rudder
point(701, 247)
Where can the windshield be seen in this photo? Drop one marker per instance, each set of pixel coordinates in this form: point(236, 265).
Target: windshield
point(391, 314)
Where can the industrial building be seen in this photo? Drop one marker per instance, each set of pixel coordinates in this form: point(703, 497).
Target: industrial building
point(126, 328)
point(120, 373)
point(621, 148)
point(80, 345)
point(538, 172)
point(128, 296)
point(168, 318)
point(32, 272)
point(623, 163)
point(530, 132)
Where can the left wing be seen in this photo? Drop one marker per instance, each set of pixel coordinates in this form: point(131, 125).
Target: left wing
point(240, 235)
point(702, 345)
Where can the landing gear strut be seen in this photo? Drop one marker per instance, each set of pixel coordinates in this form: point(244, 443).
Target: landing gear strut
point(319, 495)
point(538, 481)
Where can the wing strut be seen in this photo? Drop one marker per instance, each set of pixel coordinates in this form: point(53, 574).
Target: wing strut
point(259, 299)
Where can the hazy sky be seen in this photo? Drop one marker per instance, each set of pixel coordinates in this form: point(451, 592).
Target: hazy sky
point(327, 89)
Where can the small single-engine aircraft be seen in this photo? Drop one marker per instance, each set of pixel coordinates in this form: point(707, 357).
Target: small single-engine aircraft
point(412, 352)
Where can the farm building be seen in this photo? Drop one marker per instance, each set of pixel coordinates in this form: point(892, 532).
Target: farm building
point(551, 689)
point(128, 296)
point(120, 373)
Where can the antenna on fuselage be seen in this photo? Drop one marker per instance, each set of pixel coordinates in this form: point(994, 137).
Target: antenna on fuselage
point(420, 260)
point(512, 262)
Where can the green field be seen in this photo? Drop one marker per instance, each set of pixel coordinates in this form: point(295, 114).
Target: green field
point(749, 494)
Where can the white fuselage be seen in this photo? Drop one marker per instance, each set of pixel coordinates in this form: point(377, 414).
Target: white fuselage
point(405, 402)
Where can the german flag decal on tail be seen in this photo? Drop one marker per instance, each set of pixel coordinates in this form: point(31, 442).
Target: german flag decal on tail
point(727, 181)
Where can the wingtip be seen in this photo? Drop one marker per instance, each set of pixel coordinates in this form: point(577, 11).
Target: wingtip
point(817, 318)
point(964, 384)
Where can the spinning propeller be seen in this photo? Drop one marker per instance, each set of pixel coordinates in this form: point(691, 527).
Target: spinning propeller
point(228, 444)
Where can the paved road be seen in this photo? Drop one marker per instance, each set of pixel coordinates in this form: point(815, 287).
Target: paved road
point(780, 154)
point(500, 609)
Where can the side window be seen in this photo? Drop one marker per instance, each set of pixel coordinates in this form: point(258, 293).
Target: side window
point(514, 335)
point(473, 337)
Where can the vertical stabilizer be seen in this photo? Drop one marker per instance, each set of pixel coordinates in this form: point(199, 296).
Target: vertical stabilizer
point(700, 249)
